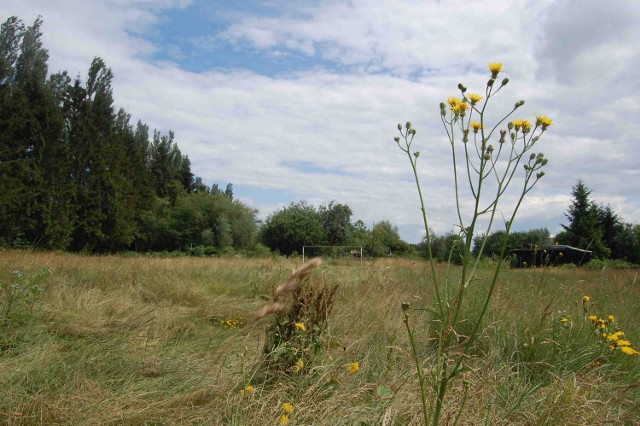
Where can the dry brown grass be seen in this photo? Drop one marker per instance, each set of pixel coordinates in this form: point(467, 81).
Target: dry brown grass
point(139, 341)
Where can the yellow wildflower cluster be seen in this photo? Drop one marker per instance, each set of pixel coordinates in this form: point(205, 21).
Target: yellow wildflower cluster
point(458, 106)
point(615, 339)
point(543, 121)
point(353, 367)
point(525, 125)
point(299, 365)
point(232, 323)
point(300, 326)
point(287, 409)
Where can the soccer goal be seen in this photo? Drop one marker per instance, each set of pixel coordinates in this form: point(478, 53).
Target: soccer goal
point(333, 252)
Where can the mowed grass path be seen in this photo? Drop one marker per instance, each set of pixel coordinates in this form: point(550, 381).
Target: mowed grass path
point(140, 340)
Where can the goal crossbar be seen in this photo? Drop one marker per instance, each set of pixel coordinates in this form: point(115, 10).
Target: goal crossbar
point(357, 253)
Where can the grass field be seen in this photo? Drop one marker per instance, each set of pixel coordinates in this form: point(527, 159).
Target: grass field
point(144, 340)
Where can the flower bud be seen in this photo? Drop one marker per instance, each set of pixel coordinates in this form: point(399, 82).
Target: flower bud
point(535, 139)
point(505, 81)
point(490, 82)
point(544, 162)
point(412, 131)
point(416, 154)
point(539, 175)
point(408, 125)
point(487, 156)
point(462, 88)
point(510, 126)
point(513, 136)
point(527, 167)
point(397, 139)
point(490, 148)
point(503, 135)
point(465, 135)
point(532, 156)
point(405, 306)
point(399, 126)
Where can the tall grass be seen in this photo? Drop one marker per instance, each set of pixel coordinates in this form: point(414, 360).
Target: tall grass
point(140, 341)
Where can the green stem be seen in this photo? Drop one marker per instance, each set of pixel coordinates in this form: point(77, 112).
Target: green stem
point(416, 359)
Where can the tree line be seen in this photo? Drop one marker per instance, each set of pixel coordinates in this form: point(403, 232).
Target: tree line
point(599, 228)
point(77, 175)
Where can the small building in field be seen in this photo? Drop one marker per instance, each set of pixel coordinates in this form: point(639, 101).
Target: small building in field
point(550, 255)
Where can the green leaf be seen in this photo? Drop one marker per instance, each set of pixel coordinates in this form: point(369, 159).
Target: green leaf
point(384, 391)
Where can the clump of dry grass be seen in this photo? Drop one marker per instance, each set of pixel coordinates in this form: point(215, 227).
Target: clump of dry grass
point(300, 310)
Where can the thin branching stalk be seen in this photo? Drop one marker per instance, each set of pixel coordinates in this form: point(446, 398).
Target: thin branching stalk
point(451, 350)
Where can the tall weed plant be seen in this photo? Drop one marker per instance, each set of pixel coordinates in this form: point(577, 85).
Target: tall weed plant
point(489, 159)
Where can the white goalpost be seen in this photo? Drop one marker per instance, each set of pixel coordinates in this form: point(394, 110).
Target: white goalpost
point(353, 251)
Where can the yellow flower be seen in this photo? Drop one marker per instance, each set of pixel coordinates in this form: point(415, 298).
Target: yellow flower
point(287, 408)
point(301, 326)
point(474, 98)
point(544, 121)
point(564, 320)
point(284, 419)
point(613, 337)
point(585, 299)
point(249, 388)
point(476, 126)
point(495, 68)
point(592, 318)
point(453, 101)
point(623, 343)
point(628, 350)
point(299, 365)
point(612, 318)
point(353, 367)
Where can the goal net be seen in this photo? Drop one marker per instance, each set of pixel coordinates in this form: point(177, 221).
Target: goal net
point(333, 252)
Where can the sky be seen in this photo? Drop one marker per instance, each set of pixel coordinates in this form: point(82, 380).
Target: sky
point(294, 101)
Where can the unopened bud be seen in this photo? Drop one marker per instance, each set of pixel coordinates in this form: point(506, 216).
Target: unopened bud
point(513, 136)
point(532, 156)
point(399, 126)
point(510, 126)
point(535, 139)
point(412, 131)
point(544, 162)
point(490, 148)
point(526, 167)
point(490, 82)
point(462, 88)
point(539, 175)
point(465, 135)
point(505, 81)
point(397, 139)
point(416, 154)
point(487, 156)
point(408, 125)
point(405, 306)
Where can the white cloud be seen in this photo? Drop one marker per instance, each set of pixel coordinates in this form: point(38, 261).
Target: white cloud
point(402, 58)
